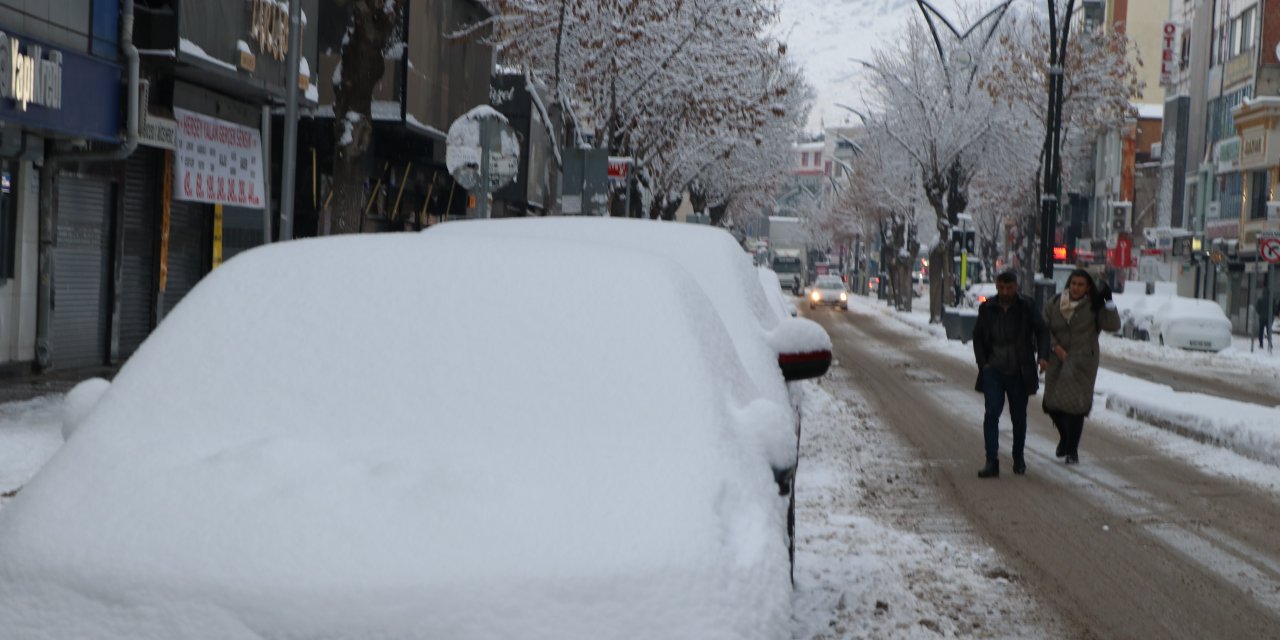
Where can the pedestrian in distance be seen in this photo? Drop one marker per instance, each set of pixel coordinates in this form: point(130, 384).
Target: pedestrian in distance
point(1009, 339)
point(1075, 318)
point(1265, 311)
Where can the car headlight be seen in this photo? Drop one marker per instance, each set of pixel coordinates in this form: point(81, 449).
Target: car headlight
point(843, 296)
point(816, 296)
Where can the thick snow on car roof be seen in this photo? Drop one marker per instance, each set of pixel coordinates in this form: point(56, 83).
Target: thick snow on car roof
point(364, 437)
point(710, 254)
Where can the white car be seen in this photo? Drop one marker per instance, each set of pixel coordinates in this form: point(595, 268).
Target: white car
point(773, 293)
point(829, 290)
point(346, 438)
point(1137, 312)
point(1191, 323)
point(980, 293)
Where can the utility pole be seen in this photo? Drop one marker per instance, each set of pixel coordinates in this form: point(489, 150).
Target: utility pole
point(290, 144)
point(1052, 185)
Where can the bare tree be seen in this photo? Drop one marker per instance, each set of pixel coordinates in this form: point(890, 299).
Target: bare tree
point(373, 31)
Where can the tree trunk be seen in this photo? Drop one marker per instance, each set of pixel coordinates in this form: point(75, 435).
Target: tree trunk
point(368, 35)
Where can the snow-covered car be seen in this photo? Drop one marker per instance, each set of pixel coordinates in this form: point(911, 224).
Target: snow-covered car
point(773, 293)
point(979, 293)
point(1125, 302)
point(321, 442)
point(1191, 323)
point(829, 290)
point(1137, 317)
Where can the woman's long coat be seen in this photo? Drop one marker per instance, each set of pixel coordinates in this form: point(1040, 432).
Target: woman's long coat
point(1068, 384)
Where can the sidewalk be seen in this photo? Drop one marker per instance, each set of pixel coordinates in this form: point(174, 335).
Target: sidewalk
point(25, 386)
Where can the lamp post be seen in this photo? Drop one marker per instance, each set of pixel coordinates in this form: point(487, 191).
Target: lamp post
point(1052, 184)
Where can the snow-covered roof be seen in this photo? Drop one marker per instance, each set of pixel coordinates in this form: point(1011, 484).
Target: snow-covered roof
point(1148, 111)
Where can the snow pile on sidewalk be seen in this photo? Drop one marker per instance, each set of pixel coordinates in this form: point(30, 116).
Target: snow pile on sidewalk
point(30, 433)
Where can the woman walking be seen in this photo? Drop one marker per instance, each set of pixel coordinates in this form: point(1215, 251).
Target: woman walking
point(1075, 318)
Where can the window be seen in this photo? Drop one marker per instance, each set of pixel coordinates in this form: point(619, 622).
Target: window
point(1259, 193)
point(8, 218)
point(1221, 124)
point(1229, 187)
point(1185, 58)
point(804, 159)
point(1246, 31)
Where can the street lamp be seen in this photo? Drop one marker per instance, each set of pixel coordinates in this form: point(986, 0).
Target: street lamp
point(1052, 185)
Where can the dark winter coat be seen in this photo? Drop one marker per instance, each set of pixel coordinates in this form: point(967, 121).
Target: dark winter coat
point(1068, 384)
point(1031, 338)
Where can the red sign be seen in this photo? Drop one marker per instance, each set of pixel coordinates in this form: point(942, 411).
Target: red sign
point(1168, 53)
point(1122, 255)
point(618, 167)
point(1059, 254)
point(1269, 248)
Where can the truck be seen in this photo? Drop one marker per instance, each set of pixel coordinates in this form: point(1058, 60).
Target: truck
point(788, 256)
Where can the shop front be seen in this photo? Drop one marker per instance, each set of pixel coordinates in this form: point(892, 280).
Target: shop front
point(1258, 124)
point(53, 95)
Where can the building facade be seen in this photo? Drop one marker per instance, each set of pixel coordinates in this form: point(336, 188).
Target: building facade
point(61, 95)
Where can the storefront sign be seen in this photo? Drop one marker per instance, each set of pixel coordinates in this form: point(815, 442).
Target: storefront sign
point(1168, 56)
point(44, 87)
point(1253, 147)
point(30, 78)
point(158, 132)
point(217, 162)
point(270, 27)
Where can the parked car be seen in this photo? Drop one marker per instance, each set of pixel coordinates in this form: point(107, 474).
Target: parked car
point(1127, 300)
point(1138, 319)
point(769, 282)
point(979, 293)
point(1192, 323)
point(763, 338)
point(347, 438)
point(829, 290)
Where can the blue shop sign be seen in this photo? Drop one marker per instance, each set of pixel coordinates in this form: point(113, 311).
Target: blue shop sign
point(43, 87)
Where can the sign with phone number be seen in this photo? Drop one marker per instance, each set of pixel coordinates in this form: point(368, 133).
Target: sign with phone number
point(217, 162)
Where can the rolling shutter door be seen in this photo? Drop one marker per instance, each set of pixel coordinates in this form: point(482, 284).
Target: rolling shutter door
point(78, 332)
point(137, 269)
point(187, 245)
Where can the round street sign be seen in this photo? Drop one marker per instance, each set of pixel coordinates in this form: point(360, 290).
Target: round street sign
point(1269, 248)
point(468, 135)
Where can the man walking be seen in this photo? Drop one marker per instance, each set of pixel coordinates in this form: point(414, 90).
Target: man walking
point(1007, 339)
point(1265, 312)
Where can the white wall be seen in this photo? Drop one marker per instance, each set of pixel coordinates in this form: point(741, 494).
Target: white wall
point(18, 296)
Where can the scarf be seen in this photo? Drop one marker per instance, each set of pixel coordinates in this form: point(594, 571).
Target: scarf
point(1068, 306)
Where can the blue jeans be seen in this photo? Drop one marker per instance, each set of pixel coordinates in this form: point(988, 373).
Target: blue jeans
point(996, 386)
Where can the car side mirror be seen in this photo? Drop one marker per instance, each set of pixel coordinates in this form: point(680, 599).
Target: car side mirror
point(79, 402)
point(803, 348)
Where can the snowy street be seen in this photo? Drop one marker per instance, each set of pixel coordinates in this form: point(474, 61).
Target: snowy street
point(1155, 534)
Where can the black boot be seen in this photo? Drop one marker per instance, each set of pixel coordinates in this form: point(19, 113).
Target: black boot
point(1019, 465)
point(1062, 438)
point(992, 470)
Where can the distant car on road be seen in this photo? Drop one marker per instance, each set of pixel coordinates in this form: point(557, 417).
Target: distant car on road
point(1191, 323)
point(829, 290)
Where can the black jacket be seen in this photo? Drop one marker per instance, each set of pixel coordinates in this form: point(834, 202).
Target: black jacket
point(1032, 338)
